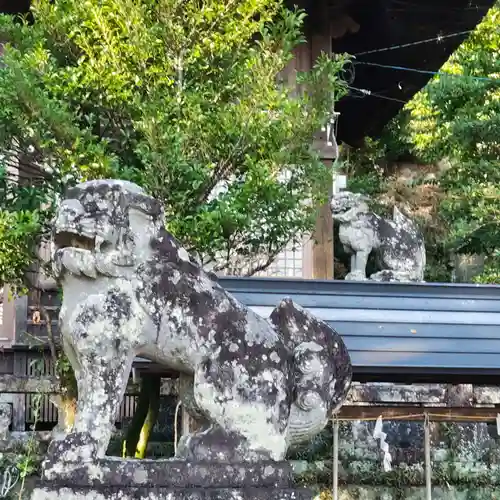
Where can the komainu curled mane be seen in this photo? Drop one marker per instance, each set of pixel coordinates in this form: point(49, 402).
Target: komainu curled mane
point(130, 289)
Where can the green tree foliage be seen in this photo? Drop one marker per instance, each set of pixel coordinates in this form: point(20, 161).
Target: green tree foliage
point(20, 223)
point(458, 118)
point(180, 96)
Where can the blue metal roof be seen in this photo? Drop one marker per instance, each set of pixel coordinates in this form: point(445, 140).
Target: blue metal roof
point(395, 327)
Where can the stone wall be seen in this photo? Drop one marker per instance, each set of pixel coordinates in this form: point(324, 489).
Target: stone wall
point(465, 455)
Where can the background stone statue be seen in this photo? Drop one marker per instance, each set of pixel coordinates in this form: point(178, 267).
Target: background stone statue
point(397, 244)
point(130, 289)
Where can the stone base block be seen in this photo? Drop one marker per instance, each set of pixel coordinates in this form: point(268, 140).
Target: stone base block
point(152, 493)
point(116, 479)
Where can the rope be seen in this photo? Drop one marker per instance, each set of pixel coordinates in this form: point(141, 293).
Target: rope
point(176, 421)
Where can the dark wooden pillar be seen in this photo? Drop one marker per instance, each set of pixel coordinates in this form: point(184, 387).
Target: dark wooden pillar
point(322, 251)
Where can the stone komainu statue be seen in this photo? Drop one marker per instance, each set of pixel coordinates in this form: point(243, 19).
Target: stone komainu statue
point(397, 244)
point(130, 289)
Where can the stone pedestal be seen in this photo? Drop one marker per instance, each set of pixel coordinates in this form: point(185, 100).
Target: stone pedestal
point(114, 479)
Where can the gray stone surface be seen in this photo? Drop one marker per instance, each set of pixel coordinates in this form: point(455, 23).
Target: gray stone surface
point(417, 493)
point(398, 245)
point(110, 479)
point(175, 474)
point(130, 289)
point(465, 456)
point(451, 395)
point(389, 393)
point(5, 420)
point(144, 493)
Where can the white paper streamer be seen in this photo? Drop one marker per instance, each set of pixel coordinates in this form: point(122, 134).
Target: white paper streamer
point(498, 424)
point(9, 480)
point(379, 434)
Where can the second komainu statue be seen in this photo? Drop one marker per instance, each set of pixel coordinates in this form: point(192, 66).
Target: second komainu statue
point(397, 245)
point(130, 289)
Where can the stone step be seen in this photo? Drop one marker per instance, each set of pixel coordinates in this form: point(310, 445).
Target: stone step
point(173, 474)
point(54, 492)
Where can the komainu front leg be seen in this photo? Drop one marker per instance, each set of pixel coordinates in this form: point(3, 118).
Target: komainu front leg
point(100, 341)
point(101, 386)
point(102, 382)
point(358, 266)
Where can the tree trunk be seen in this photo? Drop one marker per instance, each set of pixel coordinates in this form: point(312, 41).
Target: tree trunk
point(145, 416)
point(66, 407)
point(151, 417)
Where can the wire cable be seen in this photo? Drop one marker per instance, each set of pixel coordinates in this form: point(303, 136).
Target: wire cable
point(428, 72)
point(367, 92)
point(348, 73)
point(437, 38)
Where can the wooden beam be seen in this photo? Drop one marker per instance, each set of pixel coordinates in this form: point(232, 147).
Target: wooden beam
point(416, 413)
point(47, 384)
point(23, 384)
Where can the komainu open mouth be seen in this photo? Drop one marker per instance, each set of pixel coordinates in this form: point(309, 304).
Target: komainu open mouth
point(67, 239)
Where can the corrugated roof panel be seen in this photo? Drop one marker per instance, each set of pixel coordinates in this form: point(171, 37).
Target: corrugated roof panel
point(395, 326)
